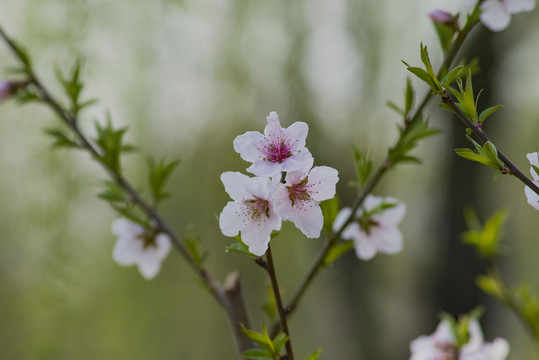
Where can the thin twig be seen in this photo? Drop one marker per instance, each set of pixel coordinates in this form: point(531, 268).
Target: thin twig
point(482, 135)
point(279, 302)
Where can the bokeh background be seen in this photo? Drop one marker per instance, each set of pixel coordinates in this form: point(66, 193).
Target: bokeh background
point(187, 77)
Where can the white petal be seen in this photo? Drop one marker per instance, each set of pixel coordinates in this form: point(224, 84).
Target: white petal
point(265, 168)
point(260, 187)
point(494, 16)
point(341, 217)
point(230, 221)
point(281, 202)
point(308, 218)
point(365, 249)
point(122, 226)
point(246, 145)
point(235, 183)
point(497, 350)
point(444, 334)
point(533, 198)
point(516, 6)
point(392, 216)
point(298, 161)
point(164, 245)
point(255, 239)
point(149, 264)
point(127, 250)
point(476, 335)
point(387, 240)
point(296, 133)
point(533, 158)
point(371, 202)
point(322, 181)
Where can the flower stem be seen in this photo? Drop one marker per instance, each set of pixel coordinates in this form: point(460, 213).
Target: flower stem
point(279, 302)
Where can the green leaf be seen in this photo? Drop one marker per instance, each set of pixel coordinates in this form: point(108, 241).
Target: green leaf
point(486, 239)
point(490, 286)
point(110, 141)
point(445, 33)
point(240, 247)
point(257, 354)
point(314, 355)
point(279, 341)
point(336, 251)
point(192, 244)
point(363, 165)
point(330, 209)
point(395, 107)
point(408, 97)
point(160, 172)
point(270, 307)
point(455, 73)
point(262, 340)
point(489, 111)
point(423, 75)
point(61, 140)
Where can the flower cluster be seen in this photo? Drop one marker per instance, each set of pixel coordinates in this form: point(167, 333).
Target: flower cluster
point(443, 345)
point(374, 227)
point(286, 186)
point(138, 246)
point(533, 198)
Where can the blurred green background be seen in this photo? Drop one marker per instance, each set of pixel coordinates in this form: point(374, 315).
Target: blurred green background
point(187, 77)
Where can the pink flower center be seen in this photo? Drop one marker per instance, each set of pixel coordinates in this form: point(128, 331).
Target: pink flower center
point(257, 207)
point(277, 151)
point(367, 223)
point(299, 192)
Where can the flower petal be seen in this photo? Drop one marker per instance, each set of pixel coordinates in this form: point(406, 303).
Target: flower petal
point(387, 240)
point(297, 132)
point(322, 182)
point(340, 219)
point(307, 216)
point(495, 16)
point(533, 158)
point(246, 145)
point(516, 6)
point(234, 183)
point(533, 198)
point(365, 248)
point(127, 250)
point(231, 220)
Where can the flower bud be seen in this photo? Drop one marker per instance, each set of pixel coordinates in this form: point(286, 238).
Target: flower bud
point(442, 17)
point(6, 90)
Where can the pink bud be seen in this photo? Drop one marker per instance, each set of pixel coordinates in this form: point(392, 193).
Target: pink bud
point(441, 17)
point(6, 90)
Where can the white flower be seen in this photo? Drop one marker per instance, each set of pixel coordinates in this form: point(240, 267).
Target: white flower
point(533, 198)
point(298, 199)
point(276, 150)
point(442, 345)
point(374, 228)
point(496, 14)
point(250, 212)
point(136, 246)
point(476, 349)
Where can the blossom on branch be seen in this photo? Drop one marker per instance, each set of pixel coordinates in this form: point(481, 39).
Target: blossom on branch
point(276, 150)
point(443, 345)
point(533, 198)
point(374, 227)
point(496, 14)
point(251, 212)
point(138, 246)
point(298, 199)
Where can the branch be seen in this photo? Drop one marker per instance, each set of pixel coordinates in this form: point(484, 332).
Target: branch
point(481, 134)
point(378, 175)
point(230, 296)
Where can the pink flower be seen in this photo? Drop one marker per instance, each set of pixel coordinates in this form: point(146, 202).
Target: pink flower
point(276, 150)
point(135, 246)
point(496, 14)
point(251, 211)
point(477, 349)
point(375, 226)
point(298, 199)
point(533, 198)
